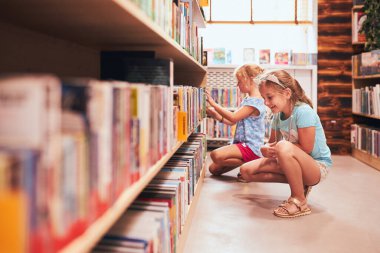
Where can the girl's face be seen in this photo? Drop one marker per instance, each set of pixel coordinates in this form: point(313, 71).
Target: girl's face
point(243, 84)
point(277, 101)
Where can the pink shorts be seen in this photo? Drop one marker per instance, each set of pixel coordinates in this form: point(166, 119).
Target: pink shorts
point(246, 152)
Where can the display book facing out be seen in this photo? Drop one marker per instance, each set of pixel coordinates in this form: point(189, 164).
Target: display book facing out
point(365, 132)
point(72, 48)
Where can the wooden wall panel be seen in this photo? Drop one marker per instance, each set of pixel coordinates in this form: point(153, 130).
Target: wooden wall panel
point(334, 72)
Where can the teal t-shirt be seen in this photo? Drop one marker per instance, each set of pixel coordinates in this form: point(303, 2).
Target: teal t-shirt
point(251, 130)
point(304, 116)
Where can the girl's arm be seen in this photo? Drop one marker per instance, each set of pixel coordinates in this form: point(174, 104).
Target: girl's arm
point(234, 117)
point(231, 117)
point(306, 139)
point(215, 115)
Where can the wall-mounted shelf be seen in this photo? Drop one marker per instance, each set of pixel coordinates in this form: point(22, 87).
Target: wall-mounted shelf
point(366, 77)
point(366, 158)
point(366, 115)
point(99, 24)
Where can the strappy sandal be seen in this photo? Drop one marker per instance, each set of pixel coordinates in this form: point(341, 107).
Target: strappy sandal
point(241, 179)
point(291, 209)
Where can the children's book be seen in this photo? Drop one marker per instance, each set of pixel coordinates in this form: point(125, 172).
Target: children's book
point(248, 55)
point(281, 57)
point(264, 56)
point(219, 56)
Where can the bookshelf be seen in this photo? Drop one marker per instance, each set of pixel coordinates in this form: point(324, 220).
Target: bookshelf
point(365, 96)
point(65, 38)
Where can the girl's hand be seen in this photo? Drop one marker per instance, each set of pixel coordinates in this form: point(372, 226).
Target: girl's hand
point(269, 150)
point(210, 111)
point(209, 99)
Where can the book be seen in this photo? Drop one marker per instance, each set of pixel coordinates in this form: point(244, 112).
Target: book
point(281, 57)
point(264, 56)
point(219, 56)
point(358, 18)
point(248, 55)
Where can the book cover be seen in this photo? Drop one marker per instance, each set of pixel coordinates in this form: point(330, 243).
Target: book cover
point(264, 56)
point(281, 57)
point(248, 55)
point(219, 56)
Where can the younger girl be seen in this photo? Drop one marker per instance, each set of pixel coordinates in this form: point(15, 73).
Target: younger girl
point(297, 152)
point(250, 129)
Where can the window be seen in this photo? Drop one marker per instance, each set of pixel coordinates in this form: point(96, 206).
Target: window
point(259, 11)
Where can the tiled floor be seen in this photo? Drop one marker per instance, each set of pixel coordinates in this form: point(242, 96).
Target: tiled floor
point(237, 217)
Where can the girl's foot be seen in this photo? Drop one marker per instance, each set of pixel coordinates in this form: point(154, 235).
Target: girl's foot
point(292, 208)
point(241, 179)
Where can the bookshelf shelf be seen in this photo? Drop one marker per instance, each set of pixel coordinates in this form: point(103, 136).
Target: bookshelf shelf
point(367, 77)
point(366, 115)
point(94, 233)
point(366, 158)
point(98, 24)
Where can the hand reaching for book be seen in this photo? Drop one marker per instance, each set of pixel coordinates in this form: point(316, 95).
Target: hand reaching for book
point(209, 99)
point(210, 111)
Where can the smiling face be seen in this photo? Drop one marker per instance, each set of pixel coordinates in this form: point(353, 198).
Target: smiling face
point(277, 100)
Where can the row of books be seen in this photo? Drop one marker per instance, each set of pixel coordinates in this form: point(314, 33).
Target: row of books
point(366, 139)
point(155, 220)
point(216, 129)
point(69, 147)
point(224, 56)
point(175, 17)
point(189, 109)
point(226, 96)
point(366, 64)
point(366, 100)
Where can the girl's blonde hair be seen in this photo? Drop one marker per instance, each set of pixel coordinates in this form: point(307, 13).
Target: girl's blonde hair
point(247, 71)
point(285, 81)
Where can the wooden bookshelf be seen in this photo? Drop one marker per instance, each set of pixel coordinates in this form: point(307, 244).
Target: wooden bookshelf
point(366, 115)
point(358, 82)
point(96, 230)
point(366, 158)
point(367, 77)
point(66, 37)
point(191, 211)
point(101, 25)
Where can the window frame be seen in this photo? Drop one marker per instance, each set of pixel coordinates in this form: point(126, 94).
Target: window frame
point(252, 22)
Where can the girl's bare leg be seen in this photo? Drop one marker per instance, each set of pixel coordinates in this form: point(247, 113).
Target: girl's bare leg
point(225, 159)
point(298, 167)
point(263, 170)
